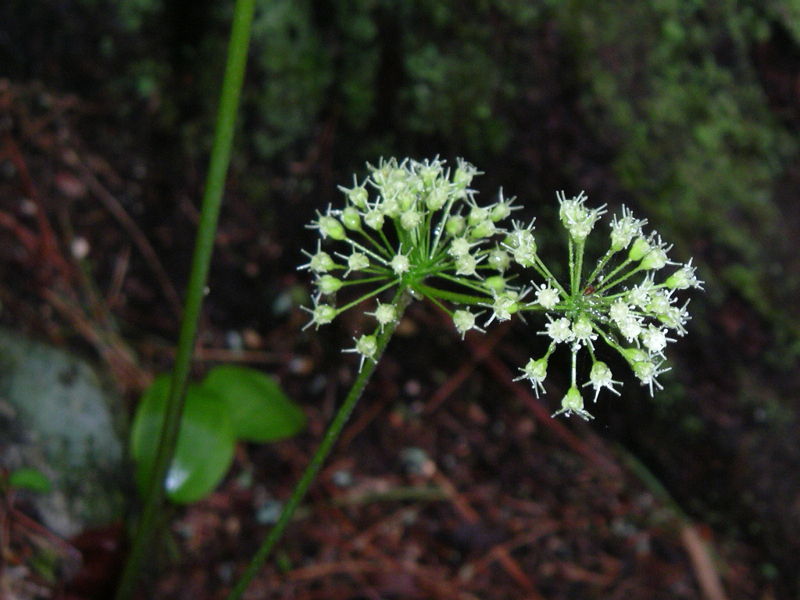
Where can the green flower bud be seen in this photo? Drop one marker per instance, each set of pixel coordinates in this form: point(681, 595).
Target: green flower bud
point(639, 249)
point(499, 259)
point(374, 219)
point(495, 283)
point(328, 284)
point(330, 227)
point(351, 218)
point(358, 196)
point(484, 229)
point(455, 225)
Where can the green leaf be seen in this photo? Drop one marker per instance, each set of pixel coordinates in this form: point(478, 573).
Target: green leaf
point(259, 408)
point(205, 444)
point(29, 479)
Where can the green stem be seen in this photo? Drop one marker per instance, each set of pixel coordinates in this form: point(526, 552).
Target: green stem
point(606, 257)
point(610, 284)
point(204, 244)
point(329, 439)
point(542, 269)
point(614, 271)
point(571, 247)
point(579, 247)
point(456, 297)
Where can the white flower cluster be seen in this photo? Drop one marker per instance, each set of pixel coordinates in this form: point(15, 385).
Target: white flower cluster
point(416, 228)
point(618, 301)
point(406, 225)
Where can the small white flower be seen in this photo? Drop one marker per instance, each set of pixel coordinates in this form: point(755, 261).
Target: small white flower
point(521, 237)
point(547, 296)
point(601, 377)
point(639, 295)
point(374, 219)
point(573, 403)
point(505, 304)
point(357, 261)
point(499, 259)
point(647, 371)
point(399, 264)
point(654, 339)
point(559, 330)
point(477, 214)
point(464, 320)
point(459, 247)
point(576, 218)
point(464, 174)
point(466, 265)
point(390, 206)
point(619, 311)
point(436, 198)
point(641, 246)
point(659, 302)
point(655, 260)
point(384, 314)
point(357, 195)
point(410, 219)
point(535, 371)
point(582, 331)
point(524, 256)
point(676, 318)
point(321, 262)
point(502, 208)
point(366, 346)
point(684, 278)
point(322, 314)
point(625, 229)
point(630, 328)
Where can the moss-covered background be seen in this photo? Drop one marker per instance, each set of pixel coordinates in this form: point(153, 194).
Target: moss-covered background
point(685, 110)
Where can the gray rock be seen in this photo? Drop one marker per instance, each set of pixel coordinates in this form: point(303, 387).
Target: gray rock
point(56, 416)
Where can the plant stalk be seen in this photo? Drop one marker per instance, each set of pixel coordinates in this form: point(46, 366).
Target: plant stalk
point(326, 445)
point(204, 245)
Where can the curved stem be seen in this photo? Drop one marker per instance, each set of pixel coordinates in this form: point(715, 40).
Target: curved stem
point(326, 445)
point(204, 245)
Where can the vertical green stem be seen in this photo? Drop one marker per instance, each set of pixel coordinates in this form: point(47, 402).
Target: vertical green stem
point(579, 246)
point(571, 247)
point(328, 440)
point(204, 244)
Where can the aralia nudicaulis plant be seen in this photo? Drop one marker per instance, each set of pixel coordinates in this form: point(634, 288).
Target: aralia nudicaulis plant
point(413, 230)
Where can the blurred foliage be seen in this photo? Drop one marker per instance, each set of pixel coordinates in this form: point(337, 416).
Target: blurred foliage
point(378, 70)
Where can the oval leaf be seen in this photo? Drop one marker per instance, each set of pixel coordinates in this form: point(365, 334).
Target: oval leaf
point(259, 409)
point(29, 479)
point(205, 444)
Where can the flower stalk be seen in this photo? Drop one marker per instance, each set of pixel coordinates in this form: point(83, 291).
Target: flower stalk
point(330, 437)
point(204, 244)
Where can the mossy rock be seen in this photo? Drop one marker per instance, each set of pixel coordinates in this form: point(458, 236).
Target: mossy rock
point(58, 417)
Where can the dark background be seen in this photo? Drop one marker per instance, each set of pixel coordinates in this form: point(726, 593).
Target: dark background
point(685, 111)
